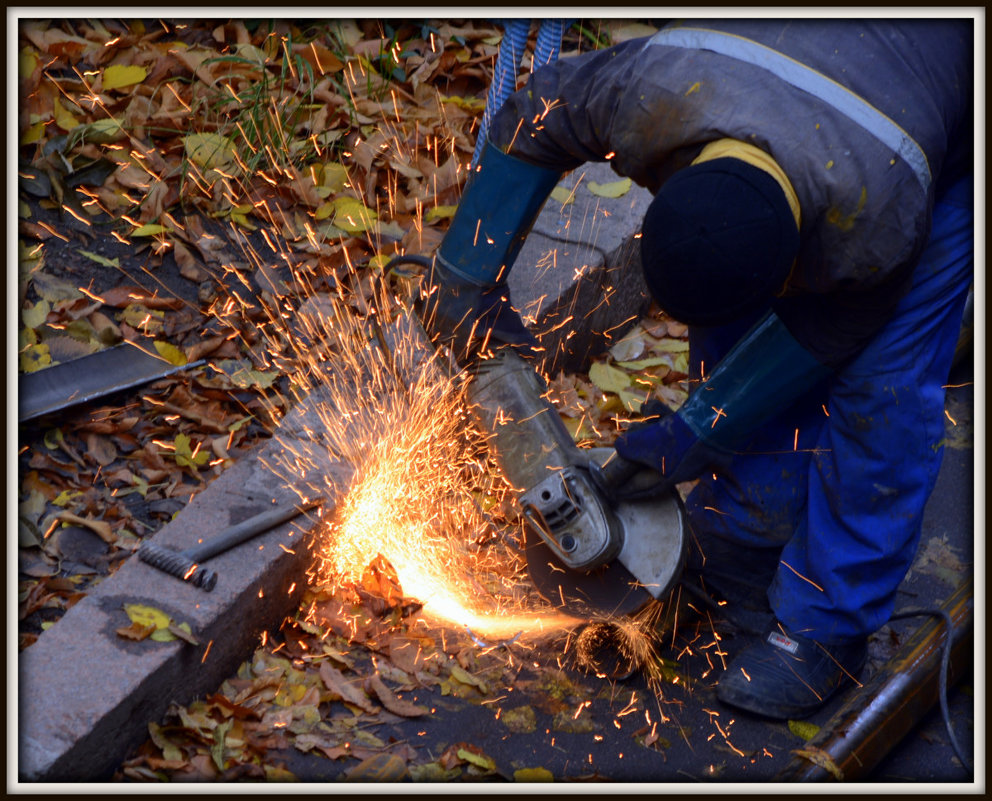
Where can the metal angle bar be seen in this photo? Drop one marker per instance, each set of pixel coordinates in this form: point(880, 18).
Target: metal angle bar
point(89, 377)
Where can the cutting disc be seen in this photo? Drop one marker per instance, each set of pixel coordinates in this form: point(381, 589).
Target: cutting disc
point(607, 591)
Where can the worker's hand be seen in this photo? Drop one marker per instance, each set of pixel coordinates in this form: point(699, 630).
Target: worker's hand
point(664, 443)
point(469, 318)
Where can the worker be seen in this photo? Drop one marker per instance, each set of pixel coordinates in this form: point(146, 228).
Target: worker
point(812, 224)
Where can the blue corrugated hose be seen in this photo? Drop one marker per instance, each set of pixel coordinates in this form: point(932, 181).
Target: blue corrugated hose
point(511, 50)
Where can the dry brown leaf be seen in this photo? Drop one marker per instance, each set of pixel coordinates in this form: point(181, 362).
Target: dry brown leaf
point(136, 631)
point(347, 692)
point(100, 527)
point(122, 296)
point(101, 449)
point(397, 706)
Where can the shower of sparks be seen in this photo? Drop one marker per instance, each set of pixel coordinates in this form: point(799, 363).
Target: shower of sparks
point(380, 404)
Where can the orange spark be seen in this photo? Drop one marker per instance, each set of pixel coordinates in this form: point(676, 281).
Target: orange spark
point(808, 581)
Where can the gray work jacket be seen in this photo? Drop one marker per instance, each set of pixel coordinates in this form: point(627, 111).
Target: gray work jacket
point(864, 116)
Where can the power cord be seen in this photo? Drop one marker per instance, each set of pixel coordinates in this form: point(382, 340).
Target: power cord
point(945, 663)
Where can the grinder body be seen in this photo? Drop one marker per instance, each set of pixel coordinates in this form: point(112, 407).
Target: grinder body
point(601, 555)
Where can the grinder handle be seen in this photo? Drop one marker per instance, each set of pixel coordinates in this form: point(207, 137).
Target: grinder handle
point(620, 479)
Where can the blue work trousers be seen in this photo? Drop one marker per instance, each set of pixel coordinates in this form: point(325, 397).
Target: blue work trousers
point(834, 489)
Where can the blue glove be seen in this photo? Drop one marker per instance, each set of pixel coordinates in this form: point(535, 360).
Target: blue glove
point(665, 443)
point(468, 303)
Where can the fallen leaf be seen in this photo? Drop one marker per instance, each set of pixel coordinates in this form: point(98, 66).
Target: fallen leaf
point(803, 729)
point(353, 216)
point(434, 772)
point(35, 357)
point(183, 631)
point(170, 353)
point(629, 348)
point(440, 213)
point(115, 262)
point(608, 378)
point(669, 345)
point(188, 265)
point(54, 289)
point(822, 759)
point(117, 76)
point(34, 315)
point(397, 706)
point(136, 631)
point(563, 195)
point(147, 616)
point(338, 684)
point(210, 150)
point(101, 527)
point(63, 117)
point(378, 768)
point(479, 760)
point(462, 675)
point(101, 448)
point(149, 229)
point(520, 720)
point(533, 775)
point(613, 189)
point(125, 295)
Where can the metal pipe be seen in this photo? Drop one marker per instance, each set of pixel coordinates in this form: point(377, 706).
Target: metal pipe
point(886, 708)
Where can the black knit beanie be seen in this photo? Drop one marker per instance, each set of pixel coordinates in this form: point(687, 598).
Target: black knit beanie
point(718, 242)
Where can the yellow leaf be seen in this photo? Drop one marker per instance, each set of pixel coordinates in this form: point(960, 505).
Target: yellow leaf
point(670, 345)
point(533, 775)
point(353, 216)
point(184, 453)
point(63, 117)
point(243, 221)
point(467, 103)
point(35, 357)
point(115, 262)
point(462, 675)
point(209, 150)
point(149, 229)
point(105, 131)
point(323, 211)
point(632, 399)
point(36, 314)
point(118, 76)
point(33, 134)
point(440, 213)
point(823, 759)
point(476, 759)
point(608, 378)
point(332, 176)
point(27, 61)
point(643, 364)
point(563, 195)
point(170, 353)
point(803, 729)
point(147, 616)
point(612, 189)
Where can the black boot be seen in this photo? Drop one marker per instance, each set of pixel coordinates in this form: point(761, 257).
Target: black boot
point(788, 676)
point(736, 577)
